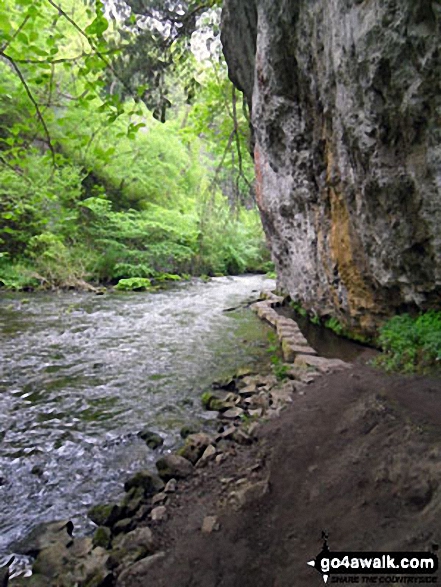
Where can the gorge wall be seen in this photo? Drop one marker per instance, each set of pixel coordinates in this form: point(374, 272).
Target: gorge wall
point(346, 112)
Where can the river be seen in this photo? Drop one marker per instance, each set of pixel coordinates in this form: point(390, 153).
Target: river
point(81, 374)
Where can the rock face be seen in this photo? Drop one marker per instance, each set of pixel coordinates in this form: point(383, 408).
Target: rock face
point(346, 113)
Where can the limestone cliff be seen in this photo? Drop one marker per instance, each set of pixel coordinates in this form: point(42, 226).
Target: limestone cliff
point(346, 111)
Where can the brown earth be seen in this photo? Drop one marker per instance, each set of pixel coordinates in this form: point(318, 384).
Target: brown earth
point(358, 455)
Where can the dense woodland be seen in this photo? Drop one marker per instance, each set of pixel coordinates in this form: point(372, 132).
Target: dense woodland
point(124, 148)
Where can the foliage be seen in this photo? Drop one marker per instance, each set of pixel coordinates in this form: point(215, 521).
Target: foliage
point(334, 325)
point(411, 343)
point(297, 307)
point(279, 368)
point(134, 284)
point(93, 188)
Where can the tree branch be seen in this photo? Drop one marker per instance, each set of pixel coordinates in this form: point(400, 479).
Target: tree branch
point(6, 45)
point(34, 102)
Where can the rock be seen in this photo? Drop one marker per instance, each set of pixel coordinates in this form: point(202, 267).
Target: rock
point(233, 413)
point(123, 526)
point(210, 524)
point(133, 500)
point(195, 444)
point(250, 493)
point(51, 561)
point(102, 537)
point(137, 572)
point(322, 364)
point(4, 573)
point(216, 402)
point(159, 514)
point(346, 149)
point(152, 439)
point(226, 434)
point(228, 384)
point(173, 467)
point(140, 540)
point(171, 486)
point(209, 453)
point(257, 413)
point(44, 536)
point(241, 437)
point(159, 498)
point(247, 391)
point(105, 514)
point(149, 482)
point(37, 470)
point(189, 429)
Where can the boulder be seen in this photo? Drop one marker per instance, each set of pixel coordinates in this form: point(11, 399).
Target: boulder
point(152, 439)
point(102, 537)
point(189, 429)
point(159, 514)
point(105, 514)
point(173, 467)
point(149, 482)
point(195, 445)
point(44, 536)
point(135, 574)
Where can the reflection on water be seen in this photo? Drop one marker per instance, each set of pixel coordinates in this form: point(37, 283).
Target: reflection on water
point(80, 375)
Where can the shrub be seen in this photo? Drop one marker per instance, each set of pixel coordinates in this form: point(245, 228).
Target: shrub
point(134, 284)
point(411, 343)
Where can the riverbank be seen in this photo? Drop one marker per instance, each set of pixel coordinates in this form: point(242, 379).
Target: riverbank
point(353, 453)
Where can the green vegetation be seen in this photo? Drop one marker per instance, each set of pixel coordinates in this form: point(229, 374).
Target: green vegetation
point(279, 368)
point(334, 325)
point(411, 343)
point(93, 189)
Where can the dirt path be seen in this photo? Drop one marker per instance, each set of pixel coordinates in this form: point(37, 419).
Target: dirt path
point(358, 455)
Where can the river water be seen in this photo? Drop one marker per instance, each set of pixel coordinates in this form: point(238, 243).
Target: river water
point(80, 375)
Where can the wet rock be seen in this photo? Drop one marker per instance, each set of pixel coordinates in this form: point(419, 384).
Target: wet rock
point(210, 525)
point(44, 536)
point(152, 439)
point(189, 429)
point(171, 486)
point(102, 537)
point(37, 470)
point(228, 384)
point(134, 499)
point(105, 514)
point(4, 573)
point(159, 514)
point(173, 467)
point(123, 526)
point(138, 571)
point(149, 482)
point(51, 560)
point(217, 402)
point(194, 447)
